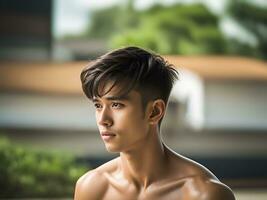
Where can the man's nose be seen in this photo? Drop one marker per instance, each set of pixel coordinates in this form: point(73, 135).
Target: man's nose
point(104, 118)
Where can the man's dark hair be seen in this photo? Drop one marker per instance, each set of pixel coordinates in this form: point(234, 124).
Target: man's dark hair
point(130, 68)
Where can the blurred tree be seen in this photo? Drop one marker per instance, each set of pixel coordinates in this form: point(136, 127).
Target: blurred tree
point(104, 22)
point(176, 29)
point(179, 29)
point(254, 19)
point(112, 20)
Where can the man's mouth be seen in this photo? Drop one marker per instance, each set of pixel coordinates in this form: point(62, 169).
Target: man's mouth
point(107, 135)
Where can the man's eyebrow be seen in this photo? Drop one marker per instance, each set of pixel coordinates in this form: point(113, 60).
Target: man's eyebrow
point(113, 98)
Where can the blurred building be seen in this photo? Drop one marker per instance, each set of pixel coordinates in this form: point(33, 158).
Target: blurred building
point(26, 34)
point(217, 111)
point(26, 30)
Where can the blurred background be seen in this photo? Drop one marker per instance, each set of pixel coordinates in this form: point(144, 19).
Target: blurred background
point(218, 109)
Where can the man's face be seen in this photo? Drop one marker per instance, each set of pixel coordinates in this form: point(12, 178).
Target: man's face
point(121, 120)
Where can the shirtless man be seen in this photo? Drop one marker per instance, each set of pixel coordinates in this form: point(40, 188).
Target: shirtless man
point(130, 88)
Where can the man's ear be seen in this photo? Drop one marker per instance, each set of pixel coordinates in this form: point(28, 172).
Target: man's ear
point(157, 111)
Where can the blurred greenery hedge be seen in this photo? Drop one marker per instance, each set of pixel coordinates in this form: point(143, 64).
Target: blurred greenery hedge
point(31, 173)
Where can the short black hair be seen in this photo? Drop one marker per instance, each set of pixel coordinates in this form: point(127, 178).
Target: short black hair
point(130, 68)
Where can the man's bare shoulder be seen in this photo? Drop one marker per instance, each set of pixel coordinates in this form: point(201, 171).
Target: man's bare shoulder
point(90, 186)
point(199, 182)
point(202, 184)
point(202, 188)
point(94, 183)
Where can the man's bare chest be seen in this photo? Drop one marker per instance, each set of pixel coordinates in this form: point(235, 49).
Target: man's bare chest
point(169, 191)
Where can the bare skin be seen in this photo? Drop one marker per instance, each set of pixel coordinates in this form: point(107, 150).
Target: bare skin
point(146, 168)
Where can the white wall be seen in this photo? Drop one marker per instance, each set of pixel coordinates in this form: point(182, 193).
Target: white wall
point(46, 112)
point(236, 105)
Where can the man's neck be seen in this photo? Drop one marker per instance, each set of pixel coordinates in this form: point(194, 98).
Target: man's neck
point(143, 165)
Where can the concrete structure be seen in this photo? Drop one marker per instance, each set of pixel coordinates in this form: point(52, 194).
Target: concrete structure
point(223, 93)
point(26, 30)
point(217, 109)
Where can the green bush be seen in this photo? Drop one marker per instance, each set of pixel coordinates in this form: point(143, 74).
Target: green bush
point(28, 173)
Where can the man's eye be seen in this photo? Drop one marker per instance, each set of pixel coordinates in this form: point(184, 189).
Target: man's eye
point(97, 105)
point(117, 105)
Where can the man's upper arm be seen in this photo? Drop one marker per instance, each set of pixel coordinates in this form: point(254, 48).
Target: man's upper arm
point(203, 188)
point(217, 191)
point(91, 186)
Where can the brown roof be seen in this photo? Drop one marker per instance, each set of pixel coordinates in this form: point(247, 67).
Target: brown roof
point(55, 78)
point(222, 67)
point(64, 78)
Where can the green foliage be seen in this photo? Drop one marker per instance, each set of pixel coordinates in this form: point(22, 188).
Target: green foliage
point(181, 28)
point(254, 19)
point(104, 22)
point(25, 173)
point(112, 20)
point(177, 29)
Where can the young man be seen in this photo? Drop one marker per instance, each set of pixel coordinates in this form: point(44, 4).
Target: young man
point(130, 88)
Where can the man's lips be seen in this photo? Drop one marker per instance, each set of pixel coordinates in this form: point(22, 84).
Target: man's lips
point(107, 135)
